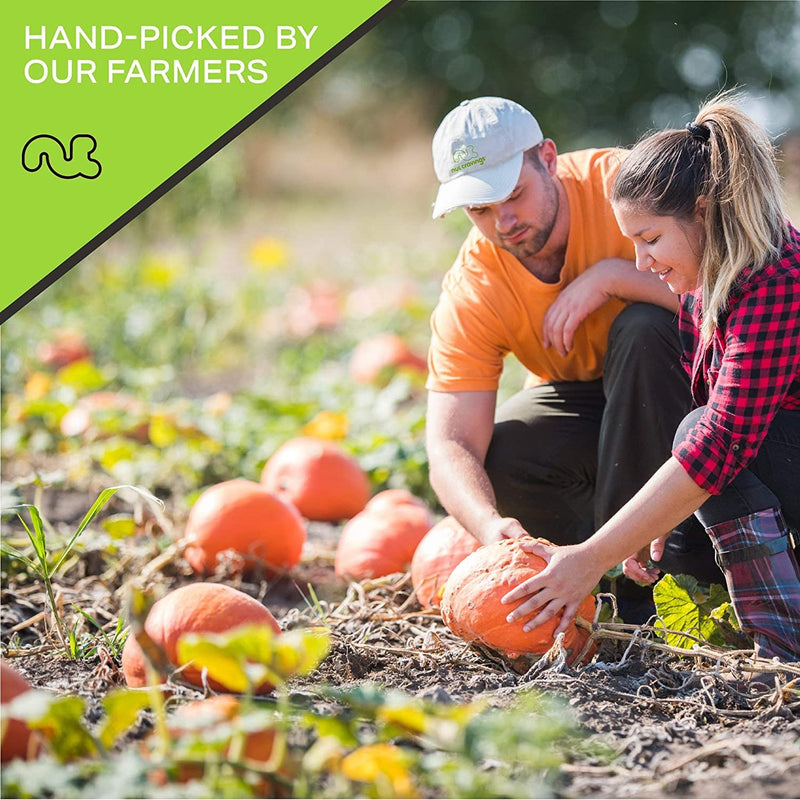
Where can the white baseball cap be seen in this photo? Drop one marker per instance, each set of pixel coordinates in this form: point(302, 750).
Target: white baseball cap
point(477, 152)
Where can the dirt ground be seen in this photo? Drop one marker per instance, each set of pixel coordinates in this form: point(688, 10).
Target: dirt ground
point(676, 726)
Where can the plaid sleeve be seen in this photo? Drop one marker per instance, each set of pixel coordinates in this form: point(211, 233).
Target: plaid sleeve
point(759, 362)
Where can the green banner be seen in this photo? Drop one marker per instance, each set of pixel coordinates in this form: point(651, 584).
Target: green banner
point(107, 106)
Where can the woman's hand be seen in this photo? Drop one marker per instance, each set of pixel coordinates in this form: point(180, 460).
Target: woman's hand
point(636, 566)
point(570, 575)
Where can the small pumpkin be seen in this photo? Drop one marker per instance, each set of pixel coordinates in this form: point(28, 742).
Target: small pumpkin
point(242, 516)
point(19, 741)
point(65, 347)
point(193, 718)
point(317, 477)
point(83, 418)
point(194, 608)
point(471, 605)
point(377, 543)
point(383, 354)
point(441, 550)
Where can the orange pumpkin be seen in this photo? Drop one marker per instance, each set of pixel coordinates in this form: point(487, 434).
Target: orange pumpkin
point(373, 358)
point(19, 741)
point(242, 516)
point(318, 478)
point(195, 608)
point(208, 714)
point(66, 347)
point(378, 543)
point(391, 498)
point(471, 605)
point(442, 548)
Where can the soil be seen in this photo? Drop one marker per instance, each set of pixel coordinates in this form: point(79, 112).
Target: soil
point(676, 726)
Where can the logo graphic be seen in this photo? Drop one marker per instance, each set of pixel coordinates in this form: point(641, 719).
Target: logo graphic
point(466, 156)
point(465, 153)
point(77, 164)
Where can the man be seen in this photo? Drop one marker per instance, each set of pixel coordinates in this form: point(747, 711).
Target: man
point(546, 274)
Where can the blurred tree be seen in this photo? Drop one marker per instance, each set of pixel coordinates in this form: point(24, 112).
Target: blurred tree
point(594, 73)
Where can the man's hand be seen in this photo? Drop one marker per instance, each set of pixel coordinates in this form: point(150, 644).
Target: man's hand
point(502, 528)
point(575, 302)
point(570, 575)
point(635, 566)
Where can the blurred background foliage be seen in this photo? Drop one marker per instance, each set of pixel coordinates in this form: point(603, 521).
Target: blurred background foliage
point(597, 73)
point(594, 72)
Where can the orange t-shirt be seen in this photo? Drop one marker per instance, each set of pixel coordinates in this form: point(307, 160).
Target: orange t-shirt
point(491, 305)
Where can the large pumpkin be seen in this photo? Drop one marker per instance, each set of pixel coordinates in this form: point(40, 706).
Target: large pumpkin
point(317, 477)
point(18, 740)
point(378, 543)
point(243, 516)
point(195, 608)
point(471, 605)
point(441, 550)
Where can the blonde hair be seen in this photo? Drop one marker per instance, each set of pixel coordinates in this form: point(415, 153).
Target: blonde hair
point(727, 159)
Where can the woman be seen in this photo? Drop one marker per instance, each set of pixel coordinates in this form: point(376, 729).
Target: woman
point(703, 208)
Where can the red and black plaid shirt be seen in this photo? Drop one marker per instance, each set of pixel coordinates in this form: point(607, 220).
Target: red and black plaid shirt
point(749, 370)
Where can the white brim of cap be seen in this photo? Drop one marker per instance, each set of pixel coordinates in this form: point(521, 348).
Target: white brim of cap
point(481, 188)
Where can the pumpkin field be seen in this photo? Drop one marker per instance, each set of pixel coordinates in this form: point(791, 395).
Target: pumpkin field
point(225, 574)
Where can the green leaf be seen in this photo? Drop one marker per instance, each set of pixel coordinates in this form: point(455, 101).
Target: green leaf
point(332, 727)
point(97, 507)
point(683, 607)
point(122, 708)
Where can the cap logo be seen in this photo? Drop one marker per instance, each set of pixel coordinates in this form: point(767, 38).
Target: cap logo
point(469, 156)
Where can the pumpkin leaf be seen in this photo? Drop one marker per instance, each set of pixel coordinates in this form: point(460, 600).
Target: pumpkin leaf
point(59, 718)
point(222, 665)
point(122, 709)
point(251, 654)
point(381, 764)
point(684, 606)
point(409, 717)
point(332, 728)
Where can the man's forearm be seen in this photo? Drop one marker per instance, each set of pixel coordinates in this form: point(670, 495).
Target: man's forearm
point(460, 481)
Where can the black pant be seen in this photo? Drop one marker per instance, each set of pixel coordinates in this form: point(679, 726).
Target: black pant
point(771, 480)
point(564, 457)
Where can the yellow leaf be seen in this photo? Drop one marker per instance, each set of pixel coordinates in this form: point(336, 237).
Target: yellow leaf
point(327, 425)
point(408, 717)
point(221, 666)
point(162, 431)
point(83, 376)
point(112, 455)
point(160, 274)
point(380, 762)
point(269, 254)
point(122, 708)
point(119, 526)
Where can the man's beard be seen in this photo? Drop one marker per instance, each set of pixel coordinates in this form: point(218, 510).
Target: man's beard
point(538, 237)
